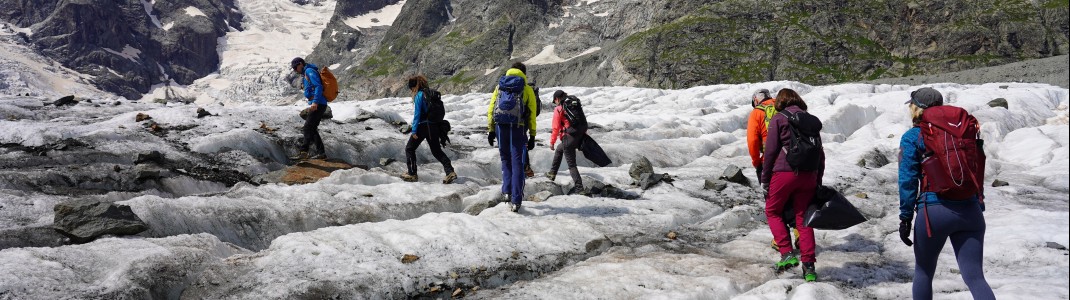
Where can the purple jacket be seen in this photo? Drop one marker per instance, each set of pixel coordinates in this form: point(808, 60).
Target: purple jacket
point(775, 159)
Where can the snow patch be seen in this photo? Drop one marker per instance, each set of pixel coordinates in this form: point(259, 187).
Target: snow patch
point(148, 10)
point(334, 66)
point(193, 12)
point(381, 17)
point(549, 56)
point(130, 53)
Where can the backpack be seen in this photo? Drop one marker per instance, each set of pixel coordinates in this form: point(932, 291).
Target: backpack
point(436, 110)
point(803, 152)
point(510, 107)
point(954, 163)
point(330, 84)
point(577, 120)
point(538, 101)
point(769, 110)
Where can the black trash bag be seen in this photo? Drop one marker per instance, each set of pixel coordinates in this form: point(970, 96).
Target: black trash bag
point(831, 211)
point(593, 152)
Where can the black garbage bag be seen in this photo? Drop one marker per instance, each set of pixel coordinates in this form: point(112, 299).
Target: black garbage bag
point(593, 152)
point(831, 211)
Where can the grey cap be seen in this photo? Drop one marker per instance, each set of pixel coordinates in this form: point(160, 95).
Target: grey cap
point(925, 98)
point(764, 93)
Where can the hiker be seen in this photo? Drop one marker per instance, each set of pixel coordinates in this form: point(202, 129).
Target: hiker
point(313, 87)
point(793, 164)
point(570, 142)
point(511, 111)
point(424, 129)
point(757, 124)
point(961, 220)
point(528, 172)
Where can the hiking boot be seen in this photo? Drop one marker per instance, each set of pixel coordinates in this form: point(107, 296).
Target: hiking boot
point(449, 178)
point(504, 198)
point(809, 272)
point(409, 178)
point(787, 261)
point(529, 172)
point(551, 175)
point(303, 155)
point(576, 190)
point(514, 207)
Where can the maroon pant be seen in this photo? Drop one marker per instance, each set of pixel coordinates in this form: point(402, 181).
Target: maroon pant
point(797, 189)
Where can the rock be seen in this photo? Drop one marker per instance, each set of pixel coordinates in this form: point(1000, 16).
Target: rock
point(201, 113)
point(457, 293)
point(84, 221)
point(409, 258)
point(1055, 246)
point(66, 100)
point(892, 135)
point(649, 180)
point(540, 184)
point(873, 159)
point(117, 169)
point(540, 196)
point(116, 103)
point(1004, 86)
point(861, 196)
point(386, 161)
point(367, 128)
point(151, 156)
point(732, 173)
point(999, 183)
point(310, 171)
point(998, 102)
point(672, 235)
point(142, 117)
point(144, 173)
point(639, 167)
point(715, 184)
point(43, 236)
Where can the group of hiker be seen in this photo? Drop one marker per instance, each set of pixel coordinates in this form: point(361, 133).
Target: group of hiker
point(941, 166)
point(941, 173)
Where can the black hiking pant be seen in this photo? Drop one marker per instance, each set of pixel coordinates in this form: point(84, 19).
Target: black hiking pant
point(568, 148)
point(433, 135)
point(311, 130)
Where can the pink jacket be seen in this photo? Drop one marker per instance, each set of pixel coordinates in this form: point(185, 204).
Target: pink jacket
point(559, 124)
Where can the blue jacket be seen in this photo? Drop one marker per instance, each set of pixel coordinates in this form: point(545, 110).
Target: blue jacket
point(911, 149)
point(421, 107)
point(313, 85)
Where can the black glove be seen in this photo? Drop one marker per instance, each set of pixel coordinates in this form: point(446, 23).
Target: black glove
point(490, 138)
point(904, 232)
point(531, 142)
point(765, 190)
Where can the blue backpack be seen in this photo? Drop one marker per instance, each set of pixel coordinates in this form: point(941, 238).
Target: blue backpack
point(510, 108)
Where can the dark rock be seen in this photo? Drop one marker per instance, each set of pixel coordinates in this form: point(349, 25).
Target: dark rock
point(715, 184)
point(385, 161)
point(116, 103)
point(639, 167)
point(117, 169)
point(367, 128)
point(152, 156)
point(873, 159)
point(201, 113)
point(999, 183)
point(732, 173)
point(66, 100)
point(1055, 246)
point(142, 117)
point(998, 102)
point(84, 221)
point(649, 180)
point(45, 236)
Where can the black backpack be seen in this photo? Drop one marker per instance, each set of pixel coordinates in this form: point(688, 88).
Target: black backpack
point(538, 101)
point(803, 152)
point(436, 111)
point(574, 114)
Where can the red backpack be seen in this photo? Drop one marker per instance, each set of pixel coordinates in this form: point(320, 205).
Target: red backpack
point(954, 164)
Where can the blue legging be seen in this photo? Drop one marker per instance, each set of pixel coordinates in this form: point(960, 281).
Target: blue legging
point(965, 225)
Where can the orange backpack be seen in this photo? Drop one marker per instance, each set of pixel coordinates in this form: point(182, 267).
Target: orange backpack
point(330, 84)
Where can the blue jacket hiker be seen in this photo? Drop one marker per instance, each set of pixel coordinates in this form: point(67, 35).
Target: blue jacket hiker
point(510, 115)
point(313, 92)
point(939, 220)
point(424, 129)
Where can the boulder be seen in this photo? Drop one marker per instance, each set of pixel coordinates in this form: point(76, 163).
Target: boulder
point(44, 236)
point(1055, 246)
point(142, 117)
point(639, 167)
point(873, 159)
point(66, 100)
point(385, 161)
point(998, 102)
point(84, 221)
point(201, 113)
point(151, 156)
point(999, 183)
point(649, 180)
point(715, 184)
point(732, 173)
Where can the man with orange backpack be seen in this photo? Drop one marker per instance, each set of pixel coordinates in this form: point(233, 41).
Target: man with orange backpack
point(314, 93)
point(941, 171)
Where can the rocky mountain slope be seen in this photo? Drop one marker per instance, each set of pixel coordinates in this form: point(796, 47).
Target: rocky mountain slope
point(463, 44)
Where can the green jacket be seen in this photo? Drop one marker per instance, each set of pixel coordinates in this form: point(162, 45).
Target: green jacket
point(529, 100)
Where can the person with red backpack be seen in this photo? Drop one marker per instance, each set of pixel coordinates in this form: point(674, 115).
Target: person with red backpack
point(941, 171)
point(794, 162)
point(426, 122)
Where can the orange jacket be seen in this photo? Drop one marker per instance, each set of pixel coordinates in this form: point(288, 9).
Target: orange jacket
point(756, 133)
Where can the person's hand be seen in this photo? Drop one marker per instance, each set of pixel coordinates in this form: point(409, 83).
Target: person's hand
point(490, 138)
point(904, 232)
point(531, 142)
point(765, 190)
point(314, 106)
point(415, 137)
point(551, 147)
